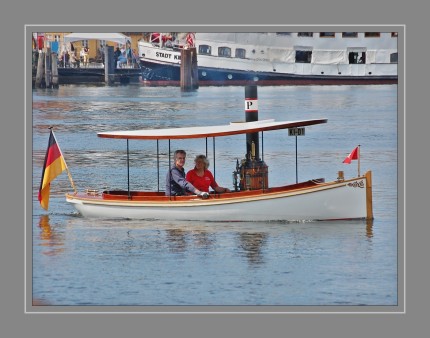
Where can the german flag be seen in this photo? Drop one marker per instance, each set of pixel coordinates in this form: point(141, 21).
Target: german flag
point(54, 165)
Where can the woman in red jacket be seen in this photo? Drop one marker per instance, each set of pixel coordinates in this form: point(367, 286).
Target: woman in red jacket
point(201, 178)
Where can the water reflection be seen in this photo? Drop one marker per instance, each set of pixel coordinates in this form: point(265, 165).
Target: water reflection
point(204, 240)
point(369, 228)
point(49, 238)
point(251, 244)
point(176, 239)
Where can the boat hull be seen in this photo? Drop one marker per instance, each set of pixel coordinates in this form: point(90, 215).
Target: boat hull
point(158, 74)
point(95, 75)
point(320, 201)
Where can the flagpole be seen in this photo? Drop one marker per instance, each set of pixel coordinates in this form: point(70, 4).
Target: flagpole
point(64, 159)
point(358, 162)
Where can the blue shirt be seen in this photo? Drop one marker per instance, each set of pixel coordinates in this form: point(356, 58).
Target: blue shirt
point(176, 184)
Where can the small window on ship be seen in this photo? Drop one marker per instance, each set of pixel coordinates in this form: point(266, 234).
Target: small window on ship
point(240, 53)
point(205, 49)
point(349, 34)
point(327, 35)
point(224, 51)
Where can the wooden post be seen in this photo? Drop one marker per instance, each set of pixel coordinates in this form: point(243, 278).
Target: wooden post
point(48, 67)
point(185, 70)
point(54, 70)
point(40, 70)
point(109, 64)
point(369, 200)
point(189, 71)
point(194, 69)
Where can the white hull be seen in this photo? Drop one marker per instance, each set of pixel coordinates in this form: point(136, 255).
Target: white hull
point(326, 201)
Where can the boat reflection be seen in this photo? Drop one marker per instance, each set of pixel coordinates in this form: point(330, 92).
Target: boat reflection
point(369, 228)
point(177, 240)
point(251, 245)
point(52, 240)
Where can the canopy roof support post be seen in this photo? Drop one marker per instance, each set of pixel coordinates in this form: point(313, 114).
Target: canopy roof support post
point(158, 167)
point(214, 153)
point(297, 169)
point(262, 146)
point(170, 174)
point(128, 172)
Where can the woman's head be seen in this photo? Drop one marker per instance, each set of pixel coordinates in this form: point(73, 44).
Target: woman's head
point(201, 160)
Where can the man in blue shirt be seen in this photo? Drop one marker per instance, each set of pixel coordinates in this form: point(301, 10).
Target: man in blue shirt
point(176, 184)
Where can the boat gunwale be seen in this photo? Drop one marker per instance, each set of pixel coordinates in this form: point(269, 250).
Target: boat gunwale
point(215, 198)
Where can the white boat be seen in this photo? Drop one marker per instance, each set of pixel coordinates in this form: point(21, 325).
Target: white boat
point(274, 58)
point(252, 199)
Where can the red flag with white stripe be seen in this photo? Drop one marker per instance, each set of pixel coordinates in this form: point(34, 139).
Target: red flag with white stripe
point(352, 156)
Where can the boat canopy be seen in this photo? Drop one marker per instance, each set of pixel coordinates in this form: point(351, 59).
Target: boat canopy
point(233, 128)
point(113, 37)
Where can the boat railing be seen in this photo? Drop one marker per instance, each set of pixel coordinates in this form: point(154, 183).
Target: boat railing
point(157, 196)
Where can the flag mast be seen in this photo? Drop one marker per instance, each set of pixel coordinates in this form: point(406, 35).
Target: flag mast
point(358, 162)
point(64, 159)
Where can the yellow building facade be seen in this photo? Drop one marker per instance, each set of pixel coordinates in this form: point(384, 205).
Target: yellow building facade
point(56, 40)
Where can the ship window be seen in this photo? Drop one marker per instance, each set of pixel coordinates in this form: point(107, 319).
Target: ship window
point(394, 34)
point(308, 34)
point(224, 51)
point(372, 35)
point(283, 33)
point(240, 53)
point(393, 57)
point(357, 57)
point(303, 56)
point(205, 49)
point(349, 34)
point(327, 35)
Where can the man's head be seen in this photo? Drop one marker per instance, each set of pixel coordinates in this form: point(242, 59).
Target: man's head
point(179, 158)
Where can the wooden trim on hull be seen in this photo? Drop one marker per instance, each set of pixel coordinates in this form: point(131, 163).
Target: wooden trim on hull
point(136, 197)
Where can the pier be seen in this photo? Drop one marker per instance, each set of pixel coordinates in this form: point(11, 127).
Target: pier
point(48, 72)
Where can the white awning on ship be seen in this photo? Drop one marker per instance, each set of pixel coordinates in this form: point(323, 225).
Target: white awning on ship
point(233, 128)
point(329, 57)
point(113, 37)
point(283, 55)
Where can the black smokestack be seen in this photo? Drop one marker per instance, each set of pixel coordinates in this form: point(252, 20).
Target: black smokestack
point(251, 114)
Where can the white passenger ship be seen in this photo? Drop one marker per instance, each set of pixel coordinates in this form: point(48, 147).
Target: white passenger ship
point(302, 58)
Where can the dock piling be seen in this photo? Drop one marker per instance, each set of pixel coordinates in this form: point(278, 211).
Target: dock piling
point(109, 65)
point(40, 70)
point(54, 70)
point(189, 70)
point(48, 73)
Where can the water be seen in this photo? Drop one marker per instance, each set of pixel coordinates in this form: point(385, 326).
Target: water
point(77, 261)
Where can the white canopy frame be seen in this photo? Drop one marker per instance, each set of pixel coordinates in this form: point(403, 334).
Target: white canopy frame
point(113, 37)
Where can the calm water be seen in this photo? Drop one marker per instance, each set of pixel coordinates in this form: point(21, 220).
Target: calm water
point(77, 261)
